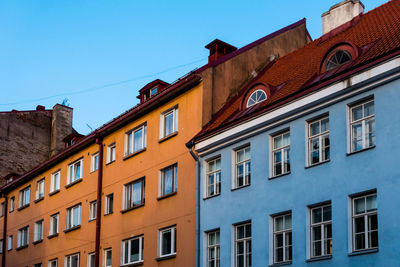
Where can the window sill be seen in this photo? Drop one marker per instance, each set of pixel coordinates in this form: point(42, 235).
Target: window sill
point(72, 229)
point(21, 247)
point(167, 195)
point(132, 264)
point(37, 241)
point(359, 151)
point(322, 258)
point(165, 138)
point(132, 208)
point(74, 183)
point(108, 163)
point(216, 195)
point(91, 220)
point(54, 192)
point(363, 252)
point(51, 236)
point(281, 264)
point(38, 200)
point(106, 214)
point(317, 164)
point(237, 188)
point(162, 258)
point(92, 171)
point(134, 154)
point(278, 176)
point(23, 207)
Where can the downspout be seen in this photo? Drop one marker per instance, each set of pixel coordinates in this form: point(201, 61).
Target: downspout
point(196, 158)
point(3, 259)
point(99, 141)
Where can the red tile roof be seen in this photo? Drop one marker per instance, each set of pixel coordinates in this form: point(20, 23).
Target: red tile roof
point(376, 34)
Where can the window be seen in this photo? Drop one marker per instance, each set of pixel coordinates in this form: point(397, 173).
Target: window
point(92, 210)
point(153, 91)
point(134, 194)
point(243, 245)
point(24, 196)
point(94, 164)
point(321, 231)
point(280, 154)
point(55, 181)
point(318, 141)
point(135, 140)
point(109, 204)
point(54, 223)
point(242, 169)
point(111, 153)
point(169, 122)
point(365, 222)
point(12, 204)
point(1, 246)
point(337, 58)
point(256, 97)
point(108, 257)
point(91, 259)
point(53, 263)
point(10, 242)
point(38, 234)
point(213, 249)
point(169, 177)
point(214, 177)
point(282, 238)
point(23, 237)
point(37, 265)
point(73, 216)
point(132, 250)
point(2, 209)
point(72, 260)
point(362, 126)
point(40, 189)
point(75, 171)
point(167, 241)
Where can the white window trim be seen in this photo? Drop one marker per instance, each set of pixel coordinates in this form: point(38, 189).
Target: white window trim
point(36, 228)
point(93, 162)
point(125, 198)
point(282, 148)
point(53, 186)
point(51, 230)
point(173, 241)
point(10, 242)
point(21, 231)
point(244, 239)
point(207, 173)
point(128, 243)
point(89, 256)
point(309, 230)
point(285, 232)
point(107, 205)
point(105, 256)
point(70, 217)
point(12, 204)
point(256, 101)
point(92, 210)
point(130, 139)
point(52, 261)
point(349, 109)
point(235, 164)
point(161, 183)
point(320, 135)
point(110, 148)
point(69, 181)
point(70, 256)
point(39, 187)
point(22, 195)
point(175, 125)
point(214, 247)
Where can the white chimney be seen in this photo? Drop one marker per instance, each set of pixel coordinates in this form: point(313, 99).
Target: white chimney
point(341, 13)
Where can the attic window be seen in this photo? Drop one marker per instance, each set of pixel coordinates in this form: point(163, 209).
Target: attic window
point(337, 58)
point(153, 91)
point(256, 97)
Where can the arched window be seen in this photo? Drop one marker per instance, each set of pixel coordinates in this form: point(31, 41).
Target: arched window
point(337, 58)
point(256, 97)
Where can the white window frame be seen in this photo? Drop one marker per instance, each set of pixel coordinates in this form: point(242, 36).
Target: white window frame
point(363, 125)
point(40, 189)
point(109, 204)
point(130, 139)
point(1, 246)
point(285, 232)
point(213, 249)
point(70, 216)
point(322, 225)
point(243, 163)
point(91, 259)
point(50, 264)
point(53, 217)
point(161, 232)
point(257, 100)
point(38, 230)
point(10, 242)
point(215, 174)
point(366, 215)
point(69, 258)
point(245, 241)
point(285, 168)
point(174, 182)
point(72, 174)
point(111, 153)
point(94, 162)
point(320, 137)
point(175, 115)
point(92, 210)
point(2, 208)
point(105, 256)
point(55, 181)
point(12, 204)
point(23, 237)
point(24, 196)
point(129, 193)
point(126, 244)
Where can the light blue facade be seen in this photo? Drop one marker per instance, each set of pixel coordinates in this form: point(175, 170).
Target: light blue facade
point(376, 168)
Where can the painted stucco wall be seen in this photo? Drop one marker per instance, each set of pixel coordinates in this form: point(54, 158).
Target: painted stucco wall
point(335, 180)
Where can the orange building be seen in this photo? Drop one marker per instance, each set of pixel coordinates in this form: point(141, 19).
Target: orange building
point(125, 195)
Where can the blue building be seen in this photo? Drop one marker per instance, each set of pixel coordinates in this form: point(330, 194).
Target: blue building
point(300, 168)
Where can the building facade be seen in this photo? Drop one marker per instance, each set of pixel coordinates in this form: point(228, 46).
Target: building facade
point(299, 168)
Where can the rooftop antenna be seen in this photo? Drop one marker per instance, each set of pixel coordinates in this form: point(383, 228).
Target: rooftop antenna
point(91, 129)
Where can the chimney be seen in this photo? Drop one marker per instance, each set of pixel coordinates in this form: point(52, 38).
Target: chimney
point(61, 126)
point(341, 13)
point(218, 49)
point(40, 108)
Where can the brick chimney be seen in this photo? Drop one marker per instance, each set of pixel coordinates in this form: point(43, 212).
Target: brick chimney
point(341, 13)
point(218, 49)
point(61, 126)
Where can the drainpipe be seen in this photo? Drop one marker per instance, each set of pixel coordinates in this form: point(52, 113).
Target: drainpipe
point(196, 158)
point(99, 141)
point(3, 259)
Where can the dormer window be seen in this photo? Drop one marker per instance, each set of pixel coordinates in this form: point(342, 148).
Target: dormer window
point(153, 91)
point(256, 97)
point(337, 58)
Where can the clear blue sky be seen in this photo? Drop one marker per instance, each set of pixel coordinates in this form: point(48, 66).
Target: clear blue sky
point(98, 54)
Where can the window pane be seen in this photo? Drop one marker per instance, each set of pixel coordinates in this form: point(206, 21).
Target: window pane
point(325, 125)
point(356, 113)
point(137, 193)
point(168, 123)
point(134, 253)
point(369, 109)
point(138, 140)
point(279, 224)
point(166, 242)
point(371, 203)
point(288, 221)
point(277, 142)
point(370, 132)
point(359, 205)
point(359, 226)
point(286, 139)
point(314, 128)
point(240, 232)
point(168, 181)
point(327, 213)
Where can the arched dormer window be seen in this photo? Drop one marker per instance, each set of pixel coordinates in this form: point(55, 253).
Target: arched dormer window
point(256, 97)
point(339, 57)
